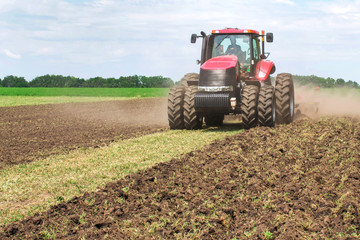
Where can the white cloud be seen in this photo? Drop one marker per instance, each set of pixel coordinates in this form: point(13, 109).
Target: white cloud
point(289, 2)
point(338, 7)
point(5, 4)
point(100, 3)
point(119, 52)
point(11, 54)
point(46, 51)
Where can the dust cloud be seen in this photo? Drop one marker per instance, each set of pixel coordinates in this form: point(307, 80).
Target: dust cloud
point(140, 112)
point(311, 102)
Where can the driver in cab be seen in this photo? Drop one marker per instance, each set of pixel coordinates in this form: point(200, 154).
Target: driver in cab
point(235, 49)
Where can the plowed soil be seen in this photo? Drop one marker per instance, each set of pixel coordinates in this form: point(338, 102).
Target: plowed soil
point(28, 133)
point(297, 181)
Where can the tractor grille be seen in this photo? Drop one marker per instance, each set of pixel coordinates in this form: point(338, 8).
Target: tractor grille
point(212, 101)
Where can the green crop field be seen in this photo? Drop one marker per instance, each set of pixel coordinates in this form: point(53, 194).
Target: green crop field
point(85, 92)
point(34, 96)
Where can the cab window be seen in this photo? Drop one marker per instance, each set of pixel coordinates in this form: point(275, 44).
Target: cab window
point(237, 45)
point(256, 47)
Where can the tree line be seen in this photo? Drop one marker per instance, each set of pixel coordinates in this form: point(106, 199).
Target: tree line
point(144, 82)
point(60, 81)
point(324, 82)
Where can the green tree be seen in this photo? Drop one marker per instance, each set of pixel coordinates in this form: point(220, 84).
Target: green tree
point(130, 82)
point(329, 82)
point(13, 81)
point(355, 84)
point(351, 84)
point(74, 82)
point(95, 82)
point(340, 82)
point(113, 82)
point(167, 83)
point(58, 81)
point(156, 82)
point(41, 81)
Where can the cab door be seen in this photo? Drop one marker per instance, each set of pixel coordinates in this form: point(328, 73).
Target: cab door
point(255, 58)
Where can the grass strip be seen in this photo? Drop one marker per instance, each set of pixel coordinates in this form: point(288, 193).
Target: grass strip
point(30, 188)
point(86, 92)
point(11, 101)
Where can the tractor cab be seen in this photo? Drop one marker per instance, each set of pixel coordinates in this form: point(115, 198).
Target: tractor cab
point(238, 45)
point(245, 45)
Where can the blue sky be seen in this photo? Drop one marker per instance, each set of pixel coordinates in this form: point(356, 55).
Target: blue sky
point(108, 38)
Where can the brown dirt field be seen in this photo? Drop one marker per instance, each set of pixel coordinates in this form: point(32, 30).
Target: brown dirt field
point(28, 133)
point(296, 181)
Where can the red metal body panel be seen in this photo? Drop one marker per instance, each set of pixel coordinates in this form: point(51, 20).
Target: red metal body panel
point(221, 62)
point(234, 30)
point(263, 69)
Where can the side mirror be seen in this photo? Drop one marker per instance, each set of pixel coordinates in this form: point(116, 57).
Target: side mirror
point(193, 38)
point(269, 37)
point(265, 55)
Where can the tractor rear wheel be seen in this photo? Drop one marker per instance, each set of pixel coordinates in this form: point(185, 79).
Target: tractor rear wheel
point(190, 79)
point(214, 120)
point(249, 100)
point(175, 107)
point(192, 120)
point(284, 92)
point(267, 106)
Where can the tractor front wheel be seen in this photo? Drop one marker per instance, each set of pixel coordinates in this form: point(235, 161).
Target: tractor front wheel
point(175, 107)
point(249, 100)
point(192, 120)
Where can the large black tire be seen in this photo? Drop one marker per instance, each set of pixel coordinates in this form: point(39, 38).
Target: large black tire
point(267, 106)
point(284, 92)
point(249, 100)
point(175, 107)
point(214, 120)
point(190, 79)
point(191, 118)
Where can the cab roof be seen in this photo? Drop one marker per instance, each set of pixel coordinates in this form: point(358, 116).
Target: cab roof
point(234, 30)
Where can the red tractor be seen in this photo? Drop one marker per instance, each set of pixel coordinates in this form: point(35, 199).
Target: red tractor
point(234, 79)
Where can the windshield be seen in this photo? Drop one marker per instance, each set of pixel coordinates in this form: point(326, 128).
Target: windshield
point(238, 45)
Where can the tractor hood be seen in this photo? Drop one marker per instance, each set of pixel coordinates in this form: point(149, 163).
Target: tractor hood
point(220, 63)
point(218, 74)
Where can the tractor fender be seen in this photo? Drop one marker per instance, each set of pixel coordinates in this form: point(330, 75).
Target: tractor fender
point(263, 69)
